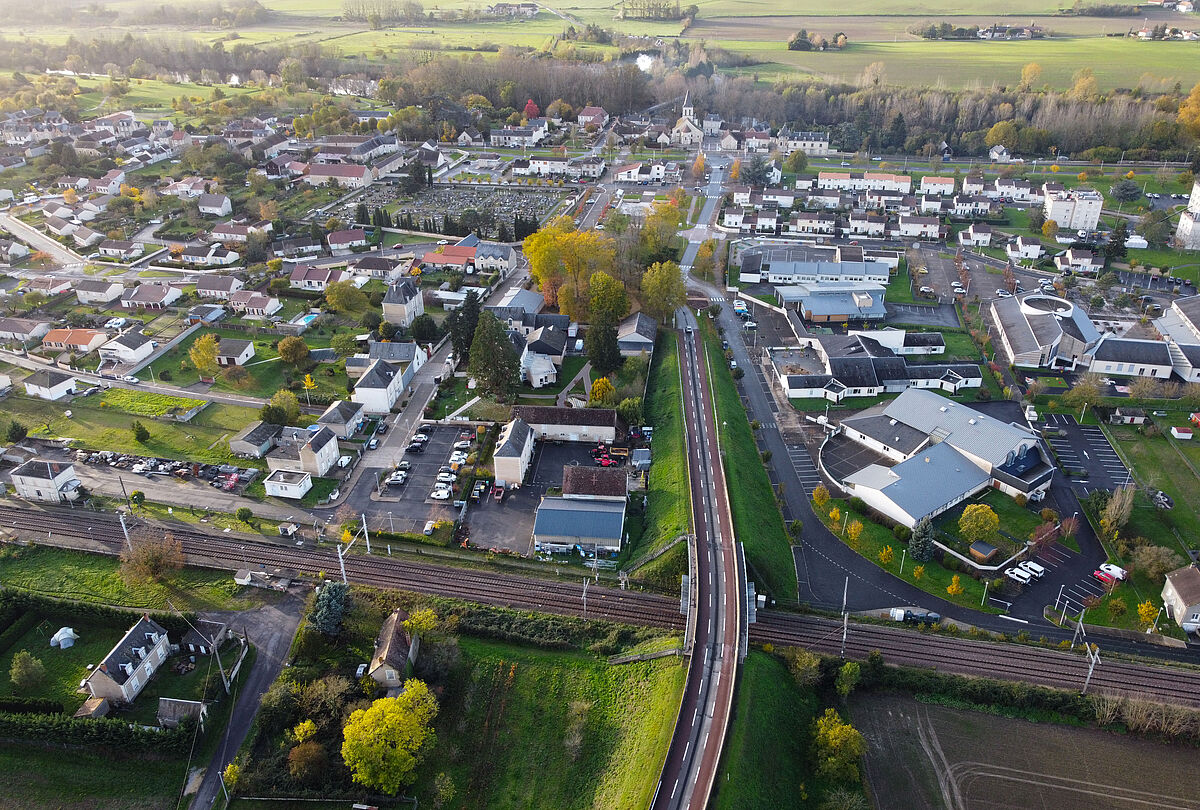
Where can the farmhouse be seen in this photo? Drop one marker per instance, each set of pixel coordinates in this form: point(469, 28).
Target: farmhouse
point(49, 384)
point(128, 667)
point(42, 480)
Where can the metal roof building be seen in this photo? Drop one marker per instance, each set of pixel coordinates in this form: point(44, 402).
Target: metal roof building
point(570, 522)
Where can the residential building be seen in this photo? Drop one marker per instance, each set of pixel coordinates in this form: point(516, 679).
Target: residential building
point(379, 387)
point(1024, 247)
point(383, 268)
point(12, 250)
point(513, 454)
point(282, 483)
point(813, 144)
point(255, 440)
point(920, 227)
point(130, 665)
point(254, 304)
point(129, 348)
point(343, 241)
point(451, 257)
point(569, 424)
point(564, 523)
point(402, 303)
point(307, 277)
point(937, 185)
point(978, 235)
point(48, 286)
point(592, 116)
point(79, 341)
point(341, 174)
point(636, 335)
point(206, 314)
point(24, 330)
point(84, 236)
point(150, 296)
point(312, 451)
point(214, 205)
point(296, 246)
point(217, 287)
point(495, 256)
point(1181, 597)
point(542, 355)
point(343, 417)
point(96, 292)
point(118, 249)
point(49, 384)
point(213, 255)
point(1075, 209)
point(395, 653)
point(653, 172)
point(1078, 261)
point(805, 223)
point(43, 480)
point(234, 352)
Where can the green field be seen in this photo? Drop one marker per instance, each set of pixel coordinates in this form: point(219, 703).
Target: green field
point(33, 778)
point(757, 521)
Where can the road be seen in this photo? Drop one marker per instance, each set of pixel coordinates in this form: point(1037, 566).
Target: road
point(39, 241)
point(695, 751)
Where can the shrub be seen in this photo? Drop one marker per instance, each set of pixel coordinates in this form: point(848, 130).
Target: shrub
point(901, 533)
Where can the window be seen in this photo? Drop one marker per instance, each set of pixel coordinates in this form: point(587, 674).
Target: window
point(1195, 617)
point(391, 675)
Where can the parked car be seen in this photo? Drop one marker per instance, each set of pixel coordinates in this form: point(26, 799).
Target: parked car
point(1018, 575)
point(415, 447)
point(403, 465)
point(440, 494)
point(478, 490)
point(1033, 569)
point(465, 445)
point(1114, 571)
point(420, 438)
point(429, 527)
point(132, 380)
point(398, 477)
point(371, 445)
point(381, 428)
point(1003, 294)
point(1105, 577)
point(446, 478)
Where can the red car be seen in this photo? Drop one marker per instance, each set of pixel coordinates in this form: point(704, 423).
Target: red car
point(607, 462)
point(1107, 579)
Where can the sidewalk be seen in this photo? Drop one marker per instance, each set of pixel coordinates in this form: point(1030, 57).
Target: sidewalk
point(584, 374)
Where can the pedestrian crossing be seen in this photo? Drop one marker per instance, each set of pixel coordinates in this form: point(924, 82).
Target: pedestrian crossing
point(805, 469)
point(716, 299)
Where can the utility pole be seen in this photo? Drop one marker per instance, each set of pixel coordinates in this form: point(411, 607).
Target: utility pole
point(845, 616)
point(342, 559)
point(1093, 654)
point(365, 534)
point(586, 582)
point(125, 531)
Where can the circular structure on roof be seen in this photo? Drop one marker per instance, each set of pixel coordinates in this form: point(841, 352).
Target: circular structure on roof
point(1047, 305)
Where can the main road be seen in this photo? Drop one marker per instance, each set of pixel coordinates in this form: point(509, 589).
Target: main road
point(695, 752)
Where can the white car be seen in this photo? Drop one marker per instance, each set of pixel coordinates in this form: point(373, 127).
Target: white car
point(1018, 575)
point(397, 477)
point(440, 494)
point(129, 378)
point(1114, 571)
point(1033, 569)
point(458, 457)
point(429, 527)
point(1003, 294)
point(446, 478)
point(465, 445)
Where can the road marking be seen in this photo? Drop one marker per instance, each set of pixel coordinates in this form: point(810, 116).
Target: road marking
point(1014, 619)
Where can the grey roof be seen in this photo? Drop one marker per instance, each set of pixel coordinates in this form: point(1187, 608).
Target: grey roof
point(41, 469)
point(94, 285)
point(513, 438)
point(489, 249)
point(1119, 350)
point(378, 375)
point(400, 293)
point(232, 347)
point(1186, 582)
point(392, 352)
point(546, 340)
point(340, 412)
point(964, 428)
point(1189, 308)
point(258, 433)
point(217, 283)
point(581, 520)
point(1191, 353)
point(527, 300)
point(554, 415)
point(124, 651)
point(925, 483)
point(131, 339)
point(374, 263)
point(211, 200)
point(924, 339)
point(47, 378)
point(638, 325)
point(891, 432)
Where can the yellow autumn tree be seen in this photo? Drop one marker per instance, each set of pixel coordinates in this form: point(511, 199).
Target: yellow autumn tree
point(562, 259)
point(1147, 613)
point(1189, 111)
point(955, 587)
point(382, 744)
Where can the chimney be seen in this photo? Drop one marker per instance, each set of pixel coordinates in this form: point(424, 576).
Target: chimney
point(104, 668)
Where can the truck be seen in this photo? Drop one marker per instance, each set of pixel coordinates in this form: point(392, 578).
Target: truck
point(914, 616)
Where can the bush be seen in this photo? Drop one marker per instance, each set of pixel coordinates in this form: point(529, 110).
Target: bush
point(901, 533)
point(27, 705)
point(106, 731)
point(857, 504)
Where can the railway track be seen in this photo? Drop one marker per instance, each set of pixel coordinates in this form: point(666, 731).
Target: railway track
point(101, 532)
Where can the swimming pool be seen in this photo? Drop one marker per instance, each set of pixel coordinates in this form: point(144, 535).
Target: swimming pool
point(306, 318)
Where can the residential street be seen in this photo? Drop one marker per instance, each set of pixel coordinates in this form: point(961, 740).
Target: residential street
point(39, 241)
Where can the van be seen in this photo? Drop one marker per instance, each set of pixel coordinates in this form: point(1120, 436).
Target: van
point(344, 461)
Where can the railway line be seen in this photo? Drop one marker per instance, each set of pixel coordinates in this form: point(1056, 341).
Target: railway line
point(101, 532)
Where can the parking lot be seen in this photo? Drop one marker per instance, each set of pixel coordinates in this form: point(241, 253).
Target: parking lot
point(409, 505)
point(1086, 448)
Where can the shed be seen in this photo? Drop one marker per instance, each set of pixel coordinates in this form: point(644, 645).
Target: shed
point(64, 639)
point(639, 459)
point(172, 710)
point(983, 552)
point(1181, 433)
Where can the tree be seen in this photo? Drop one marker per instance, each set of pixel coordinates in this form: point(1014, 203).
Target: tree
point(838, 747)
point(140, 433)
point(1156, 561)
point(796, 162)
point(698, 166)
point(1031, 75)
point(1189, 112)
point(705, 265)
point(562, 259)
point(847, 678)
point(137, 498)
point(245, 514)
point(897, 133)
point(602, 349)
point(531, 110)
point(757, 172)
point(1155, 226)
point(1147, 613)
point(1085, 391)
point(1144, 388)
point(603, 393)
point(799, 41)
point(203, 354)
point(835, 515)
point(26, 672)
point(820, 497)
point(854, 531)
point(630, 411)
point(494, 363)
point(293, 350)
point(735, 170)
point(330, 607)
point(1049, 229)
point(1085, 85)
point(1037, 218)
point(1126, 191)
point(1119, 508)
point(421, 622)
point(955, 587)
point(383, 743)
point(607, 301)
point(344, 343)
point(663, 290)
point(804, 666)
point(150, 559)
point(462, 323)
point(308, 761)
point(285, 408)
point(16, 432)
point(424, 329)
point(343, 296)
point(1115, 249)
point(978, 523)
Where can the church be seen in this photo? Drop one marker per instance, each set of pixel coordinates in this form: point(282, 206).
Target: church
point(686, 131)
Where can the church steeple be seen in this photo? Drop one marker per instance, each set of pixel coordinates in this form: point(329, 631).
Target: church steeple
point(689, 112)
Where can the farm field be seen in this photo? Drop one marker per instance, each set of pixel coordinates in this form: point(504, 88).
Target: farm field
point(939, 757)
point(33, 778)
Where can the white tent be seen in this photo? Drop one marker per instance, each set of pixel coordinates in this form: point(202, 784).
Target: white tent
point(64, 638)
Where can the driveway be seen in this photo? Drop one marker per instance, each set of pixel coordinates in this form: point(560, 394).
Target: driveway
point(40, 241)
point(269, 628)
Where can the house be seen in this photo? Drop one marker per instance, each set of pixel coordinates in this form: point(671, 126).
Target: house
point(234, 352)
point(119, 249)
point(43, 480)
point(23, 329)
point(379, 387)
point(283, 483)
point(48, 285)
point(594, 483)
point(343, 417)
point(150, 296)
point(312, 451)
point(641, 172)
point(129, 348)
point(804, 223)
point(296, 246)
point(187, 188)
point(636, 334)
point(208, 256)
point(920, 227)
point(402, 303)
point(542, 355)
point(1127, 416)
point(407, 355)
point(380, 267)
point(1078, 261)
point(866, 224)
point(84, 236)
point(569, 424)
point(346, 240)
point(590, 524)
point(214, 205)
point(470, 137)
point(514, 451)
point(128, 667)
point(60, 227)
point(999, 154)
point(937, 185)
point(978, 235)
point(1181, 597)
point(11, 250)
point(1131, 358)
point(95, 292)
point(1024, 247)
point(307, 277)
point(340, 174)
point(255, 440)
point(1074, 209)
point(451, 257)
point(495, 256)
point(238, 232)
point(217, 287)
point(592, 117)
point(49, 384)
point(254, 304)
point(395, 652)
point(79, 341)
point(205, 314)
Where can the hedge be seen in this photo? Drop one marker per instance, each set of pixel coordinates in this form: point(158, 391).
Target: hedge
point(28, 705)
point(24, 623)
point(107, 731)
point(25, 602)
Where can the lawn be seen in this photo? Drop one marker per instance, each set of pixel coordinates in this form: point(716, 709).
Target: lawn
point(65, 574)
point(595, 735)
point(900, 289)
point(1016, 522)
point(668, 508)
point(33, 778)
point(876, 537)
point(959, 346)
point(94, 427)
point(451, 395)
point(64, 668)
point(141, 403)
point(757, 521)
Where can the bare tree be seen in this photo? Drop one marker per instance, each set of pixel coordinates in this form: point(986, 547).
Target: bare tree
point(151, 558)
